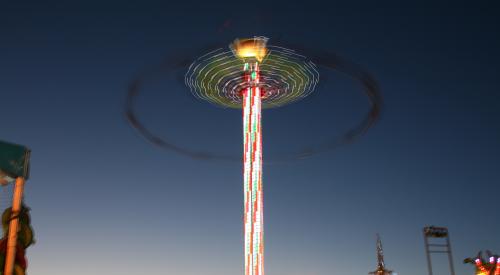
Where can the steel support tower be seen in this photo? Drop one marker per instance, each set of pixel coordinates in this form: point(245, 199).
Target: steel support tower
point(381, 270)
point(436, 233)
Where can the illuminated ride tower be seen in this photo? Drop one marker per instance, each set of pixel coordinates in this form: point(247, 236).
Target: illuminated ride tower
point(252, 175)
point(252, 75)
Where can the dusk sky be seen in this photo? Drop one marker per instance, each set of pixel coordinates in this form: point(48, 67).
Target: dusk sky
point(105, 201)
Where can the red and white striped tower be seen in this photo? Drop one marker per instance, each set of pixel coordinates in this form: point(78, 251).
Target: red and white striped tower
point(252, 173)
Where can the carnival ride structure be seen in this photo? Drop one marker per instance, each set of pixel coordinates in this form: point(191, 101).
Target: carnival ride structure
point(253, 75)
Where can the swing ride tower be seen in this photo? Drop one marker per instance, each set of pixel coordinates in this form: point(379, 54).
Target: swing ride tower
point(252, 172)
point(252, 156)
point(252, 76)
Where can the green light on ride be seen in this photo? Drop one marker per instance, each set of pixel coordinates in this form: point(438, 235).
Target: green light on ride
point(254, 75)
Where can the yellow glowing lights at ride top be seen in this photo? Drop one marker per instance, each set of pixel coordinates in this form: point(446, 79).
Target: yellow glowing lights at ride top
point(250, 48)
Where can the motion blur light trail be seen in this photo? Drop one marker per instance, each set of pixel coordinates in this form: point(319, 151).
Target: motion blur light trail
point(278, 90)
point(252, 75)
point(285, 77)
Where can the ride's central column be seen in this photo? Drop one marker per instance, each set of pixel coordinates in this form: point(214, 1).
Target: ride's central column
point(252, 174)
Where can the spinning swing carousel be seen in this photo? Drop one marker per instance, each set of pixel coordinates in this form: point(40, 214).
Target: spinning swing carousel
point(252, 75)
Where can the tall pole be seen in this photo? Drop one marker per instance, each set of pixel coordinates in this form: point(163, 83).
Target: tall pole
point(13, 226)
point(427, 252)
point(252, 174)
point(450, 256)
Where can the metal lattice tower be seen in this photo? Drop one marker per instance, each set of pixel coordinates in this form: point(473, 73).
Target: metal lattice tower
point(381, 270)
point(433, 232)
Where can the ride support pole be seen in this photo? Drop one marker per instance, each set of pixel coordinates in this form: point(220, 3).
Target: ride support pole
point(13, 226)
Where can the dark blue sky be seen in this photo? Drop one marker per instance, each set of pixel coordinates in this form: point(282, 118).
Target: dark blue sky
point(104, 201)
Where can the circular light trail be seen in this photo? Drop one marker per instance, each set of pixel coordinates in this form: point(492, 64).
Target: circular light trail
point(285, 77)
point(322, 60)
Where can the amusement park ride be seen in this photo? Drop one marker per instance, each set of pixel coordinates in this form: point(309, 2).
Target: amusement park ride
point(488, 267)
point(16, 222)
point(381, 270)
point(252, 75)
point(432, 236)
